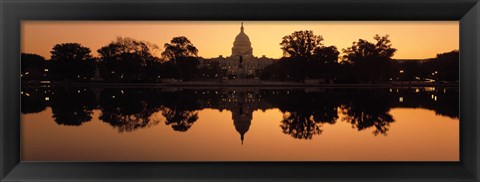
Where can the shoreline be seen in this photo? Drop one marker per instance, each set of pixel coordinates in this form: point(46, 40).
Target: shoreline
point(195, 84)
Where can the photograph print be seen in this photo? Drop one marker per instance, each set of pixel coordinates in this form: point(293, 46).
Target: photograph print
point(240, 91)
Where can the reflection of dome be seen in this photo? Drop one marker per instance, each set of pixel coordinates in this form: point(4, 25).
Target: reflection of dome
point(242, 120)
point(241, 45)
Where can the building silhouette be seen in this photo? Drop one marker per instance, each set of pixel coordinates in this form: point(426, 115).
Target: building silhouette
point(241, 50)
point(242, 45)
point(241, 102)
point(242, 118)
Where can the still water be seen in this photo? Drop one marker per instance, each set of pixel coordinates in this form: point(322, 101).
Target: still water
point(239, 124)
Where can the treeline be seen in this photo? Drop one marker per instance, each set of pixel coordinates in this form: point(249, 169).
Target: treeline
point(306, 57)
point(444, 67)
point(122, 60)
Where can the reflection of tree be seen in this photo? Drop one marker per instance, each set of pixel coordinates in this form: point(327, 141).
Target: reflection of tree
point(300, 125)
point(361, 119)
point(444, 101)
point(367, 109)
point(180, 108)
point(33, 100)
point(447, 103)
point(303, 124)
point(304, 113)
point(325, 113)
point(126, 110)
point(181, 120)
point(71, 106)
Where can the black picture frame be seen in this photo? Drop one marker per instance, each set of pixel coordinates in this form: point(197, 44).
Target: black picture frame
point(12, 12)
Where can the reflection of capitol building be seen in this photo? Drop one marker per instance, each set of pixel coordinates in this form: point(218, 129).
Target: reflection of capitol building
point(242, 60)
point(241, 102)
point(242, 118)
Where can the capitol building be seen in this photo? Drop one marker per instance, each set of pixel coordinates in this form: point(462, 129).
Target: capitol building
point(241, 63)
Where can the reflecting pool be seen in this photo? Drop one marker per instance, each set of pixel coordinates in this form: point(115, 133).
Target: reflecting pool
point(239, 124)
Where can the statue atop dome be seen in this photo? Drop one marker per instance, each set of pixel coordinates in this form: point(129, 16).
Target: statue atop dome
point(241, 45)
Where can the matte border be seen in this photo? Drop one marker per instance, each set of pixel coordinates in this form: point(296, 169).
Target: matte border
point(13, 12)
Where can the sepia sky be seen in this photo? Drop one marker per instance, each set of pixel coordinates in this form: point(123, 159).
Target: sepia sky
point(414, 39)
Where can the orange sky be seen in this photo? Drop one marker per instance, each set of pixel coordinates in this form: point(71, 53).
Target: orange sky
point(413, 39)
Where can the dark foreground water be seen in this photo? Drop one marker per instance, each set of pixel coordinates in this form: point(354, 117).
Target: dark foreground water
point(239, 124)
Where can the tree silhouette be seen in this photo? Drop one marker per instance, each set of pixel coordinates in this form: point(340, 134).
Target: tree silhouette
point(300, 125)
point(445, 101)
point(170, 69)
point(447, 66)
point(367, 108)
point(326, 55)
point(127, 110)
point(362, 119)
point(72, 61)
point(33, 100)
point(325, 63)
point(33, 66)
point(370, 59)
point(304, 56)
point(301, 44)
point(72, 107)
point(179, 47)
point(128, 59)
point(188, 67)
point(286, 69)
point(183, 53)
point(181, 120)
point(180, 108)
point(304, 113)
point(410, 70)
